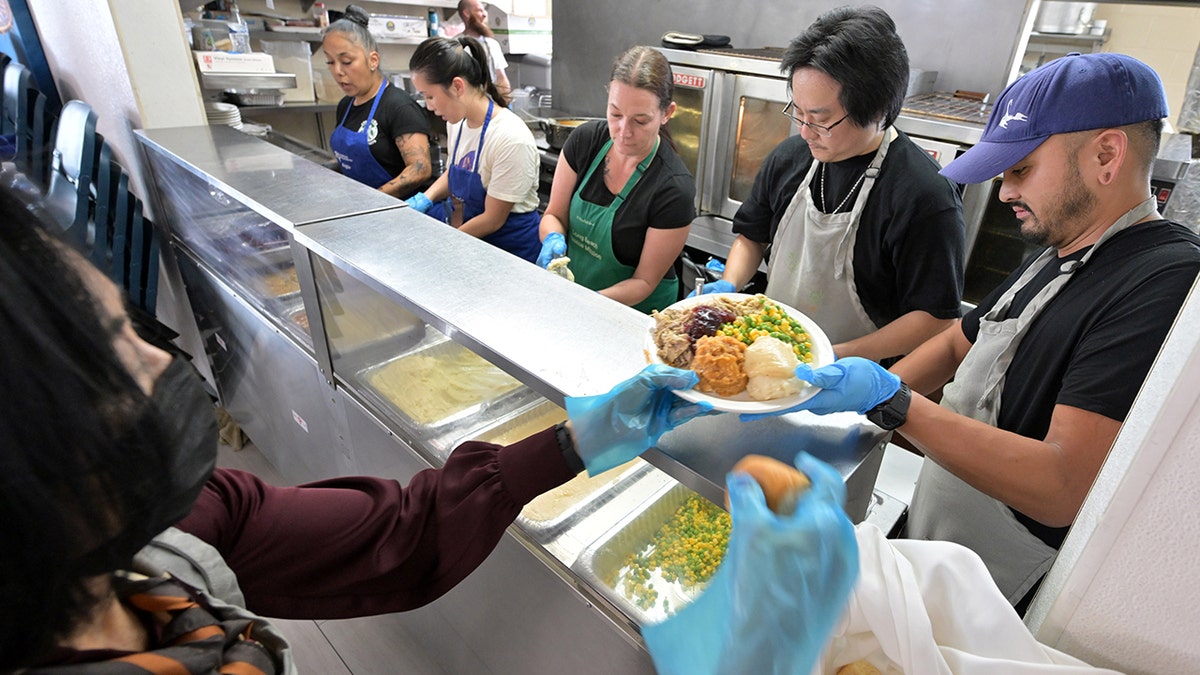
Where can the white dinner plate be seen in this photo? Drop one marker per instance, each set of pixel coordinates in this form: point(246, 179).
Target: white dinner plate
point(219, 107)
point(821, 350)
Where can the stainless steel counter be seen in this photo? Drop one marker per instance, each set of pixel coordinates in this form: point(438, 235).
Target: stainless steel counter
point(562, 340)
point(272, 181)
point(356, 255)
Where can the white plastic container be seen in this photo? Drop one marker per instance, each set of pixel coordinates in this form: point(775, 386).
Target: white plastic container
point(294, 57)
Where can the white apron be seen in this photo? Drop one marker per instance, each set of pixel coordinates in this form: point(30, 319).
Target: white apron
point(812, 266)
point(946, 508)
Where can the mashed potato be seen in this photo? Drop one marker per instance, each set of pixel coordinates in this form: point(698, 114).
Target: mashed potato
point(771, 369)
point(559, 267)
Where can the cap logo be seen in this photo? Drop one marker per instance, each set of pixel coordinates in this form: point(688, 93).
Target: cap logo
point(1008, 117)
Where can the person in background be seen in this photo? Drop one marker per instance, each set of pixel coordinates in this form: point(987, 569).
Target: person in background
point(474, 18)
point(622, 201)
point(1040, 376)
point(492, 178)
point(382, 137)
point(125, 551)
point(863, 235)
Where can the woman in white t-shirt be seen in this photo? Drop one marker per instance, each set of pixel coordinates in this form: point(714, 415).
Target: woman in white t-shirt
point(490, 187)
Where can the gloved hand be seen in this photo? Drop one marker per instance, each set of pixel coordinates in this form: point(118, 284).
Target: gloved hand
point(419, 202)
point(611, 429)
point(714, 265)
point(849, 384)
point(553, 246)
point(779, 592)
point(718, 286)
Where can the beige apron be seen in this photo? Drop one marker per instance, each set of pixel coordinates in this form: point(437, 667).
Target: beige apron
point(812, 267)
point(946, 508)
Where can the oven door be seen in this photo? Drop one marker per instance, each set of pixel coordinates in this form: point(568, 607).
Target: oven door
point(997, 248)
point(747, 127)
point(693, 102)
point(941, 151)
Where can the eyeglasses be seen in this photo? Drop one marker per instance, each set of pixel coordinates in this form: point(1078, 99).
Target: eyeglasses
point(820, 129)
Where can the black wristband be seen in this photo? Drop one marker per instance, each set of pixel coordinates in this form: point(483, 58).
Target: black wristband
point(893, 412)
point(567, 447)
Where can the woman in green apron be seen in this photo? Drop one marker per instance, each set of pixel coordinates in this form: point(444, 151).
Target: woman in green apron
point(622, 201)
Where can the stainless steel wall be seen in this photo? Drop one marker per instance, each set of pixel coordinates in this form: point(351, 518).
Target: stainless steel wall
point(969, 42)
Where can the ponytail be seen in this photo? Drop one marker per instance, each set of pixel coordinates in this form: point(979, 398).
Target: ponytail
point(440, 60)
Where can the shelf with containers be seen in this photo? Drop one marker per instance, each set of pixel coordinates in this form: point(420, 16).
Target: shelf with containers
point(422, 337)
point(281, 36)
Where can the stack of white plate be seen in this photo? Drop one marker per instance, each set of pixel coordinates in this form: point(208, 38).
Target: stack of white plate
point(223, 113)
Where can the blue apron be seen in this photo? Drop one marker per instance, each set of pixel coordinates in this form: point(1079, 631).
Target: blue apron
point(354, 153)
point(519, 233)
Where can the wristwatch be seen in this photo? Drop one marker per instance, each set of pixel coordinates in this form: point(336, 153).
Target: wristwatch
point(566, 446)
point(893, 412)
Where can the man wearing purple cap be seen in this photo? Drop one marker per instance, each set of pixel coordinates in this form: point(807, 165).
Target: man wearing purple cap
point(1042, 373)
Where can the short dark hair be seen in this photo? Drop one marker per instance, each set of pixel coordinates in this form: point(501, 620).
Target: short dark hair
point(79, 460)
point(858, 47)
point(1146, 137)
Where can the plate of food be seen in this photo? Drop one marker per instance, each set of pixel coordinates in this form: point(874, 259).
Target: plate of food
point(745, 348)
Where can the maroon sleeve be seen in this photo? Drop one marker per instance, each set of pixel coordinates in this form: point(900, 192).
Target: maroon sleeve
point(357, 546)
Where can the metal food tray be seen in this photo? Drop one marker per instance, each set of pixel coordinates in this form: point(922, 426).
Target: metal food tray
point(256, 279)
point(589, 502)
point(435, 344)
point(602, 560)
point(360, 339)
point(491, 429)
point(298, 317)
point(543, 530)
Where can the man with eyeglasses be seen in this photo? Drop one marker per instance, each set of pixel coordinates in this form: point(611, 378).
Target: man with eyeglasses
point(861, 233)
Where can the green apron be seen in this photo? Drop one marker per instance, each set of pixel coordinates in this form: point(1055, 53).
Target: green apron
point(589, 244)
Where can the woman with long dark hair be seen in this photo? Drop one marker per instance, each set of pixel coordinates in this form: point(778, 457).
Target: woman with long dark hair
point(490, 188)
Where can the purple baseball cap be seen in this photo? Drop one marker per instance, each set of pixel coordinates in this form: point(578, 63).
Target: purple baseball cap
point(1073, 93)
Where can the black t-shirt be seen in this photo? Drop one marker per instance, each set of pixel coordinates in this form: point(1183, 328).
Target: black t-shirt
point(664, 198)
point(398, 114)
point(1093, 345)
point(910, 250)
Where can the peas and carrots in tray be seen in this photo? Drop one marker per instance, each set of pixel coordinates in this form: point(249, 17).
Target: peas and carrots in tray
point(686, 550)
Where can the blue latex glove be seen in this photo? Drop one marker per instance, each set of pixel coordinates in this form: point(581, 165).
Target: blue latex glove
point(553, 246)
point(849, 384)
point(419, 202)
point(614, 428)
point(714, 265)
point(779, 592)
point(718, 286)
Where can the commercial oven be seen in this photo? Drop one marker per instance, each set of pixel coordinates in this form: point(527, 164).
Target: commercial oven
point(727, 121)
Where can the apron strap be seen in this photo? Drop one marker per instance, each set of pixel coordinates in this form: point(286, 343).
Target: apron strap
point(995, 377)
point(482, 132)
point(619, 198)
point(844, 250)
point(370, 115)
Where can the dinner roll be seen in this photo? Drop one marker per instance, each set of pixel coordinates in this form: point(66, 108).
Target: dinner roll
point(782, 484)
